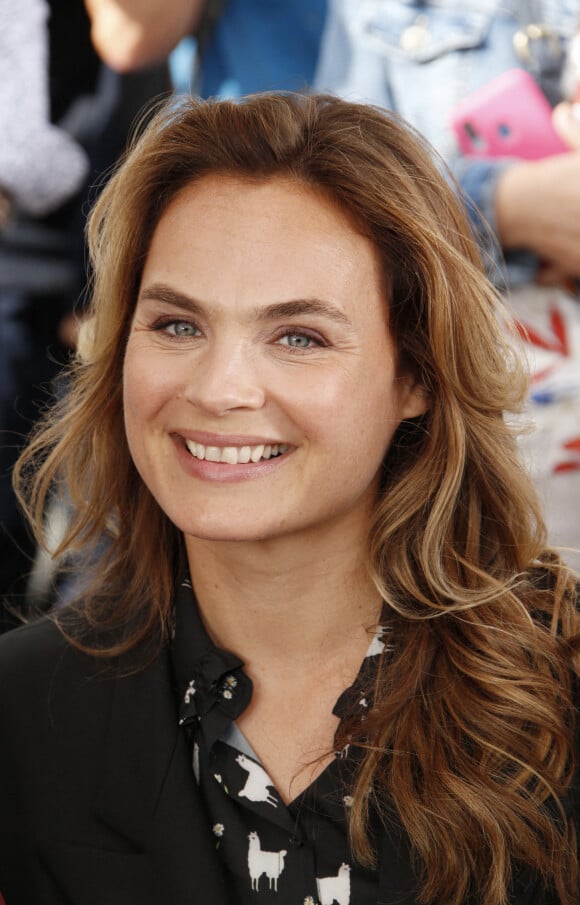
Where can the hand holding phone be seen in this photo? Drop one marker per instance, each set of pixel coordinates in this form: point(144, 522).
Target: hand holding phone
point(507, 117)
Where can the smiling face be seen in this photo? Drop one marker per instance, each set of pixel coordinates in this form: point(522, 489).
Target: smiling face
point(261, 388)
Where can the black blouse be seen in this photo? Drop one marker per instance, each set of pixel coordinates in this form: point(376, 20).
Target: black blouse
point(295, 854)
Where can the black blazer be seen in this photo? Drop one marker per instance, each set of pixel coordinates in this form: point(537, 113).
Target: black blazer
point(98, 804)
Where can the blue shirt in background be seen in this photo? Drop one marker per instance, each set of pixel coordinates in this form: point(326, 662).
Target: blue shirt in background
point(262, 45)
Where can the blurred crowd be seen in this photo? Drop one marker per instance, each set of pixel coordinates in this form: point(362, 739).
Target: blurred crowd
point(76, 76)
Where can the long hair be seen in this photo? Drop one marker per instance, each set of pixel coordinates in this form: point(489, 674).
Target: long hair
point(469, 743)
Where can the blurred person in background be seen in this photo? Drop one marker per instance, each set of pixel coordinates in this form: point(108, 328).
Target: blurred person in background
point(245, 45)
point(423, 58)
point(41, 168)
point(64, 118)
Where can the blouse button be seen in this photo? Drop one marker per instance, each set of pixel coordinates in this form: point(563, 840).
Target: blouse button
point(296, 841)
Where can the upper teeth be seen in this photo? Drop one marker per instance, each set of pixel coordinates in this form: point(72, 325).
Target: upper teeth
point(234, 455)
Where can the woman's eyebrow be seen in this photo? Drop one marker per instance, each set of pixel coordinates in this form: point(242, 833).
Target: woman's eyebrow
point(159, 292)
point(298, 308)
point(276, 311)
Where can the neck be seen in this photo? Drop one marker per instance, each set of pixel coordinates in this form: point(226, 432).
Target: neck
point(284, 604)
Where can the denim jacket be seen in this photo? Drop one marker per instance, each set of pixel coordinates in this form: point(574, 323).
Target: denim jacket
point(420, 58)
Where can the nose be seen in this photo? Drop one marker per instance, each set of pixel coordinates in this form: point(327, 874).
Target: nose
point(225, 377)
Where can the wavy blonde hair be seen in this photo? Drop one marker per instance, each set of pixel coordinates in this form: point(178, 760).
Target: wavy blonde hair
point(470, 742)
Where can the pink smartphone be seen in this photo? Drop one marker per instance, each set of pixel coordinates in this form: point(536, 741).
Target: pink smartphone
point(508, 117)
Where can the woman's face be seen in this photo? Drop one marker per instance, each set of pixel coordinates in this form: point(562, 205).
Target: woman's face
point(261, 387)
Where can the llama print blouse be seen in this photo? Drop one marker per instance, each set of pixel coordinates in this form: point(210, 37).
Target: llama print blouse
point(295, 854)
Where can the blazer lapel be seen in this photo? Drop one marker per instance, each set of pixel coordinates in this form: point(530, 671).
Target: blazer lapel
point(148, 793)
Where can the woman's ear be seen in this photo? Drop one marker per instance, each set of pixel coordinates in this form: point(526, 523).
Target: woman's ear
point(414, 397)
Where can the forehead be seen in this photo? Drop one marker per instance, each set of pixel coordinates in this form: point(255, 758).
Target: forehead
point(274, 237)
point(238, 206)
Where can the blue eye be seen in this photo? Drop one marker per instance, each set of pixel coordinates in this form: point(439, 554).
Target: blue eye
point(181, 329)
point(298, 340)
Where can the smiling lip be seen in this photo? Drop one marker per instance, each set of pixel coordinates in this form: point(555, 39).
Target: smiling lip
point(220, 458)
point(236, 455)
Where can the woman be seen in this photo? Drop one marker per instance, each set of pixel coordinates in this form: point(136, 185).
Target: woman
point(288, 416)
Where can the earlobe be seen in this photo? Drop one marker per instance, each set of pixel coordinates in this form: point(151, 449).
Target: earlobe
point(415, 398)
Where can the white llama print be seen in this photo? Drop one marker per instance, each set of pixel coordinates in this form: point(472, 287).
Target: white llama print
point(377, 646)
point(195, 761)
point(256, 787)
point(189, 692)
point(269, 863)
point(335, 889)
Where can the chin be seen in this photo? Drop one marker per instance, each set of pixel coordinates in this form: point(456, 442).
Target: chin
point(231, 536)
point(228, 531)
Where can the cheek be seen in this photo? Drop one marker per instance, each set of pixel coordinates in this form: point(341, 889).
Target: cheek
point(372, 418)
point(354, 412)
point(143, 401)
point(148, 382)
point(135, 391)
point(141, 407)
point(135, 412)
